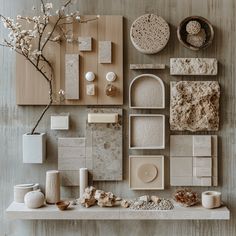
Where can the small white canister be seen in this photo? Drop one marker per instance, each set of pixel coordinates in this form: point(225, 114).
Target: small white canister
point(21, 189)
point(211, 199)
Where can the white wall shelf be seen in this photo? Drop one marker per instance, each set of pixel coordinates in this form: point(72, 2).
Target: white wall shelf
point(51, 212)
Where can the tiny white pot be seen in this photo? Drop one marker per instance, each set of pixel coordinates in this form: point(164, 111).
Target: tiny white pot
point(211, 199)
point(34, 199)
point(34, 148)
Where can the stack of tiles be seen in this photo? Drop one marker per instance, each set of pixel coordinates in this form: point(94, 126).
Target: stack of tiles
point(71, 157)
point(193, 160)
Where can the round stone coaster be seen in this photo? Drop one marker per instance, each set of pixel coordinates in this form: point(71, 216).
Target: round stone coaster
point(147, 173)
point(149, 33)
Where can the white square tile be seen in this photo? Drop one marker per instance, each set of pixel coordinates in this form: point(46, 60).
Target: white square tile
point(181, 166)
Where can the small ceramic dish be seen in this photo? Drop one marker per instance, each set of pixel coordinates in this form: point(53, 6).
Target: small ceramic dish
point(205, 24)
point(63, 205)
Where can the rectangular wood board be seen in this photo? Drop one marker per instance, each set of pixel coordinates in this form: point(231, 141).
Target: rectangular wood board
point(32, 88)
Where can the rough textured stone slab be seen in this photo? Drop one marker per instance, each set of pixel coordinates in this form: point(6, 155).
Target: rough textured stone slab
point(105, 52)
point(193, 66)
point(147, 66)
point(194, 106)
point(72, 76)
point(106, 144)
point(85, 43)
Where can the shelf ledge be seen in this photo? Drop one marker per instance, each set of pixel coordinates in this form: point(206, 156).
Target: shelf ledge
point(51, 212)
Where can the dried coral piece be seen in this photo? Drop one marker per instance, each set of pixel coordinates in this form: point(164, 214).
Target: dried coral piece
point(194, 105)
point(124, 203)
point(193, 27)
point(197, 40)
point(155, 199)
point(144, 198)
point(186, 197)
point(88, 198)
point(105, 199)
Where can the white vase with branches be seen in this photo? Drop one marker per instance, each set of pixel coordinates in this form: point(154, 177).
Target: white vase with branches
point(36, 32)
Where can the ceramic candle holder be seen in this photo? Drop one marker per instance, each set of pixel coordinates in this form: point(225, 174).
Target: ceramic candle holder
point(211, 199)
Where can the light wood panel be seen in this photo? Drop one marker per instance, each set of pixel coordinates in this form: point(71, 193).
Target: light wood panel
point(14, 121)
point(31, 87)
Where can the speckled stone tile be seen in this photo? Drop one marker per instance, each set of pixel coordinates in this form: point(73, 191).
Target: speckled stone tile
point(106, 143)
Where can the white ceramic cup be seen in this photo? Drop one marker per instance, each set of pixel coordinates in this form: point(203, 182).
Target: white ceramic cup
point(21, 189)
point(211, 199)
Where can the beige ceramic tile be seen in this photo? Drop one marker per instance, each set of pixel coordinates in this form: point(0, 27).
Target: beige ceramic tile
point(202, 171)
point(156, 180)
point(202, 162)
point(181, 145)
point(202, 145)
point(181, 166)
point(181, 181)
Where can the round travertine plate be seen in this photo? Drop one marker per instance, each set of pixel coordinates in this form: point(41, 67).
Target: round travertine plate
point(147, 172)
point(149, 33)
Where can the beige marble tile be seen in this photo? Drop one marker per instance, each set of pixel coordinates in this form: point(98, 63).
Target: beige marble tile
point(85, 43)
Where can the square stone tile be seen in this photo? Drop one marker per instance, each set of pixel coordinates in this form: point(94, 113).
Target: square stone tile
point(85, 43)
point(181, 166)
point(202, 145)
point(181, 145)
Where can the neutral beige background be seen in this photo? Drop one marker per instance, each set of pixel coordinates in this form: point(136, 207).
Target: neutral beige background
point(14, 121)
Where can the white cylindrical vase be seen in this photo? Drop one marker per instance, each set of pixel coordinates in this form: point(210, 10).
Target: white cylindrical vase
point(52, 190)
point(211, 199)
point(83, 180)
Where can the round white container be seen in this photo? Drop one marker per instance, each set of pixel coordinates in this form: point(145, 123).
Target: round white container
point(211, 199)
point(34, 199)
point(21, 189)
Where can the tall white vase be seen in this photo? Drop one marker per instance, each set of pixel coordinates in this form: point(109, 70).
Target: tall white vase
point(34, 148)
point(52, 190)
point(83, 180)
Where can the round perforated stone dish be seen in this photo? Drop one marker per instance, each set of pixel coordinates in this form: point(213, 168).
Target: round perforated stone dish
point(147, 172)
point(149, 33)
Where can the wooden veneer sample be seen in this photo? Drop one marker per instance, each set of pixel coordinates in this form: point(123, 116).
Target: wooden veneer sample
point(32, 88)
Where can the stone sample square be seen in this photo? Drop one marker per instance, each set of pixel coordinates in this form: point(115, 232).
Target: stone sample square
point(181, 145)
point(106, 141)
point(181, 166)
point(85, 43)
point(193, 66)
point(202, 162)
point(90, 89)
point(186, 169)
point(105, 52)
point(72, 76)
point(202, 145)
point(146, 172)
point(194, 106)
point(71, 157)
point(60, 122)
point(146, 131)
